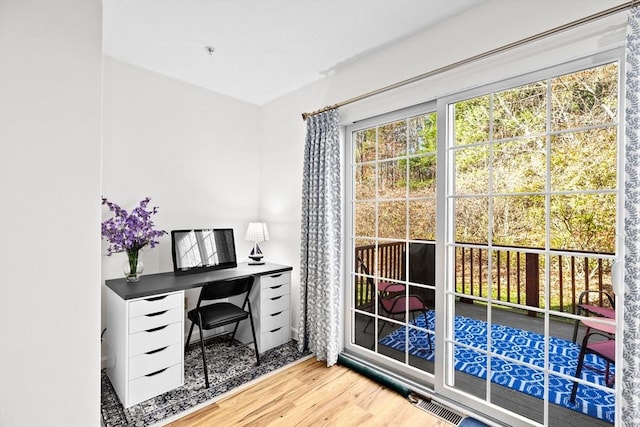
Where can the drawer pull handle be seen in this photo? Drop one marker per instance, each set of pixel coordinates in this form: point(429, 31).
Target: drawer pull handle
point(275, 287)
point(159, 313)
point(276, 329)
point(275, 298)
point(276, 275)
point(157, 351)
point(276, 314)
point(156, 329)
point(155, 298)
point(156, 372)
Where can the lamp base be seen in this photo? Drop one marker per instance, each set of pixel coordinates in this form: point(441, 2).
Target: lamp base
point(256, 259)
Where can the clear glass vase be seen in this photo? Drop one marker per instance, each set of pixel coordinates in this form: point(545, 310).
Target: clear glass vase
point(133, 267)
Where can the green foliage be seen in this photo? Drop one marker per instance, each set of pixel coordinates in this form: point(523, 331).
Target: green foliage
point(501, 140)
point(508, 153)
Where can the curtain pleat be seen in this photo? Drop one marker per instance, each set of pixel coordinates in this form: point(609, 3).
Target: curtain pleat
point(321, 239)
point(630, 378)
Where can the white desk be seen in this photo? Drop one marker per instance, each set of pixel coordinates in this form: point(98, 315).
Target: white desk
point(145, 325)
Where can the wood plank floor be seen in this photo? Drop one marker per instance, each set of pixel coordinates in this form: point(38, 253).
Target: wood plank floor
point(310, 394)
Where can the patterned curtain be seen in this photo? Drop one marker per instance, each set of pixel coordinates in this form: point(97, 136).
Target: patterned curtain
point(321, 244)
point(630, 377)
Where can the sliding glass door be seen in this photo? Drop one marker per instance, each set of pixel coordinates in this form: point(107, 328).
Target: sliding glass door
point(532, 202)
point(465, 279)
point(393, 201)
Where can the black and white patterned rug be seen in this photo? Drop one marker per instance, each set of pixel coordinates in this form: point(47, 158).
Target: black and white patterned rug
point(229, 367)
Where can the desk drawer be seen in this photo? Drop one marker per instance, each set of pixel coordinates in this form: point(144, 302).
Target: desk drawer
point(275, 304)
point(154, 384)
point(269, 322)
point(144, 341)
point(156, 319)
point(155, 360)
point(275, 291)
point(275, 280)
point(274, 337)
point(155, 304)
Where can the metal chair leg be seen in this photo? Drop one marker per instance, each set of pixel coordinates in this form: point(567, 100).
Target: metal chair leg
point(382, 325)
point(574, 389)
point(367, 325)
point(575, 331)
point(426, 324)
point(186, 344)
point(233, 335)
point(576, 326)
point(253, 332)
point(204, 358)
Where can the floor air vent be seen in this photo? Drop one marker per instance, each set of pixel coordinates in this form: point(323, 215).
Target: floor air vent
point(438, 410)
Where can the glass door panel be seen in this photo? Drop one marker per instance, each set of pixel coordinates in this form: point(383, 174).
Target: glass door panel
point(393, 198)
point(532, 193)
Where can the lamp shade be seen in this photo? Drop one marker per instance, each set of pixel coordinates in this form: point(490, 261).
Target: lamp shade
point(257, 232)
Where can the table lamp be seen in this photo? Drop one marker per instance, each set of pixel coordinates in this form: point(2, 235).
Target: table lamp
point(256, 233)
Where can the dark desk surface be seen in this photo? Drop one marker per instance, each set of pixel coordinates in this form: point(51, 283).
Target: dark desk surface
point(160, 283)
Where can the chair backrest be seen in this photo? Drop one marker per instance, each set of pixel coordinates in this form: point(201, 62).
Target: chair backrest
point(362, 266)
point(226, 289)
point(365, 270)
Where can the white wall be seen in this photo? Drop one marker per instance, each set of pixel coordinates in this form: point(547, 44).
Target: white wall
point(50, 136)
point(486, 27)
point(196, 153)
point(175, 143)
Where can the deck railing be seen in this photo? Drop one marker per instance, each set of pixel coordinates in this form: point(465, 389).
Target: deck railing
point(518, 274)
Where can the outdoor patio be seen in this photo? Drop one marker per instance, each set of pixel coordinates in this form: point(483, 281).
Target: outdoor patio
point(518, 402)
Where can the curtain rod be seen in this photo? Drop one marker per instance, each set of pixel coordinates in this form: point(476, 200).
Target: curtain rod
point(553, 31)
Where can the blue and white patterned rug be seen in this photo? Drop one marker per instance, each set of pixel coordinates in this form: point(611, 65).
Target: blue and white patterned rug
point(229, 367)
point(523, 346)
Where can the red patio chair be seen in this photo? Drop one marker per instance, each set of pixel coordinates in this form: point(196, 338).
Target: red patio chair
point(392, 299)
point(384, 288)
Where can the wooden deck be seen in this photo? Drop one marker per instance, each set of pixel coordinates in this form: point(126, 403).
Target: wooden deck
point(515, 401)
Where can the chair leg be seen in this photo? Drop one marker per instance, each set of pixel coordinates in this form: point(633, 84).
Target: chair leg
point(424, 314)
point(233, 335)
point(204, 358)
point(186, 344)
point(574, 389)
point(607, 375)
point(382, 325)
point(367, 325)
point(370, 318)
point(253, 332)
point(575, 330)
point(576, 326)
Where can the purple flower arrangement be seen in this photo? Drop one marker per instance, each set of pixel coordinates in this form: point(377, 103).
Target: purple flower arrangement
point(130, 231)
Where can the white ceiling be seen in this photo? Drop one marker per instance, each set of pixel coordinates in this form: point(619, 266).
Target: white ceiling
point(263, 48)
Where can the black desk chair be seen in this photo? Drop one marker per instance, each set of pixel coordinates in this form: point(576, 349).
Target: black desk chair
point(222, 313)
